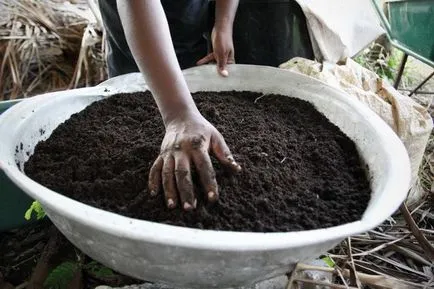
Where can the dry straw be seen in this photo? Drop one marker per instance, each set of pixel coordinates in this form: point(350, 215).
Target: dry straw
point(48, 45)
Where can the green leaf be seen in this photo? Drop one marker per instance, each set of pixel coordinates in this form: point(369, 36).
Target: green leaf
point(60, 276)
point(28, 214)
point(37, 208)
point(329, 261)
point(99, 270)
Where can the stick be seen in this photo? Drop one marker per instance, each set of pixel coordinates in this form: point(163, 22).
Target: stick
point(329, 285)
point(354, 280)
point(420, 237)
point(376, 281)
point(292, 277)
point(411, 254)
point(259, 98)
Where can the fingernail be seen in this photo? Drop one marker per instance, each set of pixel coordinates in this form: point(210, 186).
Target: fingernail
point(211, 196)
point(170, 204)
point(224, 73)
point(187, 206)
point(236, 166)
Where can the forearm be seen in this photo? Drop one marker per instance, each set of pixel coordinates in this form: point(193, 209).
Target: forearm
point(225, 14)
point(148, 37)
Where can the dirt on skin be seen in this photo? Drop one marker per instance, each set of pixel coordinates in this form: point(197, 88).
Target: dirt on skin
point(299, 172)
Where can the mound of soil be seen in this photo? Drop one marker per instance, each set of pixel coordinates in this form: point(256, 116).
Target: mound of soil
point(299, 170)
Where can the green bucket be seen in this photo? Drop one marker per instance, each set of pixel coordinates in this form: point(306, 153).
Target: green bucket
point(13, 201)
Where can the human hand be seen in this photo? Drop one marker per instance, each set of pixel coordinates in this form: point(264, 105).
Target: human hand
point(223, 50)
point(188, 141)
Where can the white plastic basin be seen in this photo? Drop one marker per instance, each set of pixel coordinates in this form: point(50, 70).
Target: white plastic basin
point(193, 258)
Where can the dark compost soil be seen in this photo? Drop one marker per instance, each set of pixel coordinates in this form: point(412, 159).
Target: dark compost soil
point(299, 170)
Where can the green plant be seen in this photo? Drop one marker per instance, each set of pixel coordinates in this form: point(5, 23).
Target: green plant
point(37, 208)
point(60, 276)
point(385, 64)
point(98, 270)
point(329, 261)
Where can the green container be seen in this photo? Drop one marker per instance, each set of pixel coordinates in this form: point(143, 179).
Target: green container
point(411, 24)
point(13, 201)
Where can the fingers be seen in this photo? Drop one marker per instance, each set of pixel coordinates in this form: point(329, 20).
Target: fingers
point(154, 179)
point(202, 162)
point(231, 58)
point(169, 183)
point(173, 169)
point(222, 59)
point(184, 182)
point(207, 59)
point(222, 152)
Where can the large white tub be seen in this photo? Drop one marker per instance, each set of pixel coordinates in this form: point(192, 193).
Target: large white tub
point(192, 258)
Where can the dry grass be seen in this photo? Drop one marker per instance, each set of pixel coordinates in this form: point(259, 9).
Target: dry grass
point(390, 256)
point(392, 250)
point(426, 172)
point(48, 45)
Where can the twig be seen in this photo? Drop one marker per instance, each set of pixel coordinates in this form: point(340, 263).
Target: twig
point(424, 243)
point(291, 277)
point(382, 235)
point(373, 250)
point(353, 272)
point(26, 260)
point(339, 271)
point(411, 254)
point(426, 231)
point(426, 214)
point(377, 281)
point(259, 98)
point(417, 208)
point(371, 268)
point(329, 285)
point(398, 265)
point(95, 10)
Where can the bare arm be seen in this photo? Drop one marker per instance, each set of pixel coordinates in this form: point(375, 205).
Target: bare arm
point(148, 37)
point(189, 136)
point(225, 14)
point(221, 36)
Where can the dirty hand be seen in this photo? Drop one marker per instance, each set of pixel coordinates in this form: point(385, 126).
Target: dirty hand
point(188, 141)
point(223, 50)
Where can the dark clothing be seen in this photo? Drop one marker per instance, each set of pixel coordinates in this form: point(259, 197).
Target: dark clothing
point(188, 23)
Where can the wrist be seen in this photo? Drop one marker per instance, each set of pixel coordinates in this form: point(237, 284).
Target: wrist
point(180, 113)
point(223, 26)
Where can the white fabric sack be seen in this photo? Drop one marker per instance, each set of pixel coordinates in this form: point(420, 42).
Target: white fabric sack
point(340, 28)
point(411, 121)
